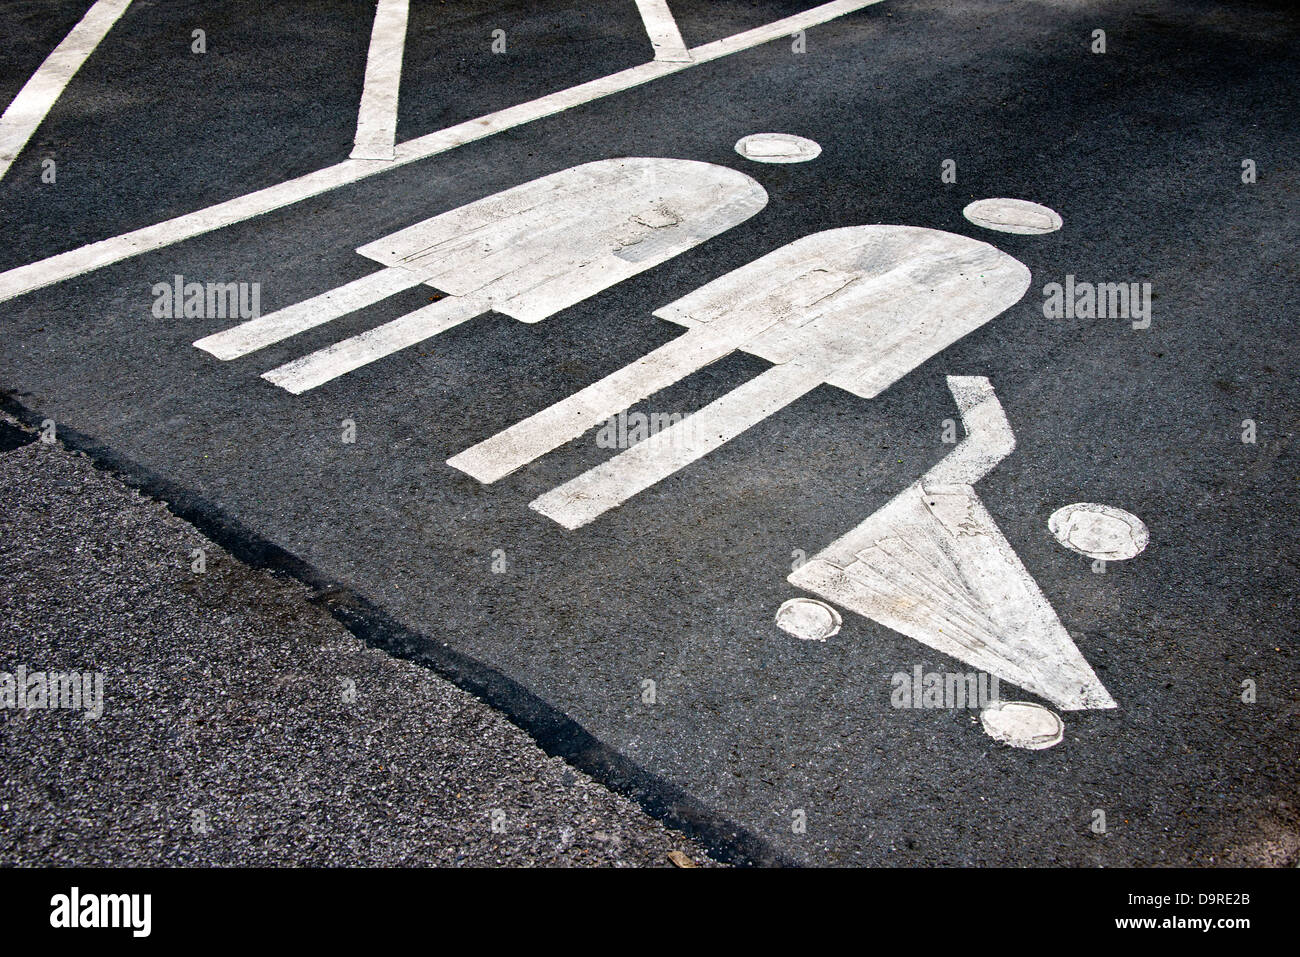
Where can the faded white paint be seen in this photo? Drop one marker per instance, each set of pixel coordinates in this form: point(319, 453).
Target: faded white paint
point(933, 565)
point(263, 331)
point(527, 252)
point(1099, 531)
point(47, 84)
point(25, 279)
point(662, 30)
point(808, 619)
point(377, 117)
point(857, 308)
point(1013, 216)
point(777, 148)
point(333, 361)
point(1023, 724)
point(543, 246)
point(592, 494)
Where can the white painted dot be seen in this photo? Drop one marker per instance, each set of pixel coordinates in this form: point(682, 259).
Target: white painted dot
point(1099, 531)
point(808, 619)
point(777, 148)
point(1022, 724)
point(1013, 216)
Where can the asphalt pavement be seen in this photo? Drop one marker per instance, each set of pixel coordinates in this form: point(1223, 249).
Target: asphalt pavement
point(285, 740)
point(763, 747)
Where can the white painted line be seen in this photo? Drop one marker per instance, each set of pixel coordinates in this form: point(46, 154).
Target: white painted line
point(989, 438)
point(39, 94)
point(662, 28)
point(933, 565)
point(25, 279)
point(592, 494)
point(377, 119)
point(537, 248)
point(274, 326)
point(333, 361)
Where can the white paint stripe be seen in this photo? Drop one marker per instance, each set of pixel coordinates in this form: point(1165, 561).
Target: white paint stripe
point(39, 94)
point(377, 119)
point(333, 361)
point(24, 279)
point(547, 430)
point(662, 28)
point(592, 494)
point(989, 438)
point(274, 326)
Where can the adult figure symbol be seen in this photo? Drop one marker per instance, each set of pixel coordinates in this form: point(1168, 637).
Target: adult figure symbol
point(527, 252)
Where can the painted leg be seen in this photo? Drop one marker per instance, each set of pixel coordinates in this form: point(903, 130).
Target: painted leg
point(258, 333)
point(342, 357)
point(590, 495)
point(498, 456)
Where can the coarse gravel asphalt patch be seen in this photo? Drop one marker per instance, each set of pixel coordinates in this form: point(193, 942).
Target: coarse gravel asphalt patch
point(242, 724)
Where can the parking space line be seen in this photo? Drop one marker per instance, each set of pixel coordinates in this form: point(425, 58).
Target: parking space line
point(662, 29)
point(75, 262)
point(39, 94)
point(376, 137)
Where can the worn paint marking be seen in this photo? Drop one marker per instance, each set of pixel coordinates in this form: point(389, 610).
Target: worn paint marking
point(933, 565)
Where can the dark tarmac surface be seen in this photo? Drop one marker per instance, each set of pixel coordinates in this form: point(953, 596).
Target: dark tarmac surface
point(1140, 151)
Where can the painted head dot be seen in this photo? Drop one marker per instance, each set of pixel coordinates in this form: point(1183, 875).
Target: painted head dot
point(1099, 531)
point(1013, 216)
point(1023, 724)
point(777, 148)
point(808, 619)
